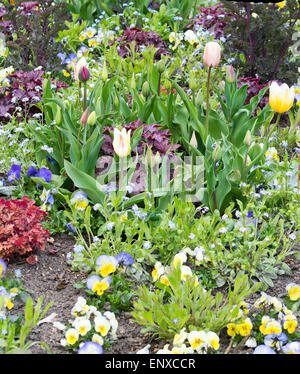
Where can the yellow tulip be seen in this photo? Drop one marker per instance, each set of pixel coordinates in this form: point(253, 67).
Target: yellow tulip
point(281, 98)
point(121, 142)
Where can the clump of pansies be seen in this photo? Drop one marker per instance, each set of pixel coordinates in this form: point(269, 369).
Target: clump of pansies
point(105, 266)
point(193, 342)
point(271, 330)
point(90, 331)
point(8, 290)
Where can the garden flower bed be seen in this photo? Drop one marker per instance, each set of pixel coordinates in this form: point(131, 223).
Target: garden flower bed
point(149, 177)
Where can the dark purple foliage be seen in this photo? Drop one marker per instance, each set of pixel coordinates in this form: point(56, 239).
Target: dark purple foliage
point(210, 18)
point(152, 136)
point(25, 90)
point(141, 38)
point(253, 89)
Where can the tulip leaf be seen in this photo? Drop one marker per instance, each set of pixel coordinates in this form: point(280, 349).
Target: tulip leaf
point(85, 182)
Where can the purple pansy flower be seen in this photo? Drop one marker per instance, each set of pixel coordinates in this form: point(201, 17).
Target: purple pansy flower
point(31, 172)
point(14, 173)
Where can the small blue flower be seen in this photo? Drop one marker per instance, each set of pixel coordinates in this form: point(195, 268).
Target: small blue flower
point(71, 227)
point(110, 226)
point(78, 248)
point(291, 348)
point(18, 273)
point(48, 158)
point(272, 340)
point(31, 172)
point(44, 173)
point(62, 56)
point(90, 348)
point(14, 173)
point(171, 225)
point(125, 259)
point(147, 245)
point(263, 350)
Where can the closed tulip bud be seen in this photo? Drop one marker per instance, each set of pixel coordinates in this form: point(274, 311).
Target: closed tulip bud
point(212, 54)
point(84, 117)
point(132, 83)
point(58, 116)
point(116, 101)
point(230, 74)
point(151, 159)
point(216, 155)
point(193, 140)
point(84, 74)
point(92, 118)
point(160, 66)
point(192, 83)
point(104, 73)
point(248, 161)
point(121, 142)
point(281, 98)
point(248, 138)
point(77, 68)
point(146, 89)
point(235, 176)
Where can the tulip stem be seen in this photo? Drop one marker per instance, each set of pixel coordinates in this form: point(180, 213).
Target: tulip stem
point(121, 173)
point(79, 93)
point(84, 96)
point(207, 101)
point(274, 126)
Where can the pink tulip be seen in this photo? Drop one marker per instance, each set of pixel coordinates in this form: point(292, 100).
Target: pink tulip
point(84, 117)
point(212, 54)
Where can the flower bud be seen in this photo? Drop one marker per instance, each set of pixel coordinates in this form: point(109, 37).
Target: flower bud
point(132, 82)
point(192, 83)
point(58, 116)
point(160, 66)
point(230, 74)
point(92, 118)
point(77, 68)
point(216, 155)
point(84, 117)
point(116, 101)
point(84, 74)
point(212, 54)
point(235, 176)
point(145, 89)
point(121, 142)
point(193, 140)
point(248, 138)
point(104, 73)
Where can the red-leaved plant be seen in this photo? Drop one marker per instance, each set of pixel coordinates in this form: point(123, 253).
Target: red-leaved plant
point(21, 232)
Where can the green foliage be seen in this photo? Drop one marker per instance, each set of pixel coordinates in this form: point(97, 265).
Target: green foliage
point(16, 340)
point(228, 157)
point(189, 304)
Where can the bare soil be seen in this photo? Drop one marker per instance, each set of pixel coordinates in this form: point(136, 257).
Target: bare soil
point(53, 279)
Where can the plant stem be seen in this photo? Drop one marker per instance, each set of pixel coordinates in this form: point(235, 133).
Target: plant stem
point(274, 126)
point(121, 172)
point(79, 94)
point(207, 101)
point(84, 96)
point(158, 86)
